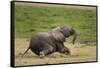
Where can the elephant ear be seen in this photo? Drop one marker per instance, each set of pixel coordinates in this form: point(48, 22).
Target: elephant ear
point(57, 35)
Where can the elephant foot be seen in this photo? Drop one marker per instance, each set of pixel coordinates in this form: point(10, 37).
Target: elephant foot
point(66, 53)
point(41, 55)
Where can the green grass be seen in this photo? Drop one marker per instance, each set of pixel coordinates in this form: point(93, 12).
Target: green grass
point(30, 19)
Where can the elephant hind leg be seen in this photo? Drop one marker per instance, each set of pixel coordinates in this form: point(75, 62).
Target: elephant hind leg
point(45, 51)
point(41, 55)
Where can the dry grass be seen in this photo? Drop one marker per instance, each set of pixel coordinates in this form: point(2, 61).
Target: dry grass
point(79, 53)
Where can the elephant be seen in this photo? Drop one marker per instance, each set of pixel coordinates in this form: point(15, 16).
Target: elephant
point(45, 43)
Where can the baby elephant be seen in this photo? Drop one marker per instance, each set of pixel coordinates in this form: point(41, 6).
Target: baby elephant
point(44, 43)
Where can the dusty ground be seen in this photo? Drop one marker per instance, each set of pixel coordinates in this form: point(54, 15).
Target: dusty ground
point(79, 53)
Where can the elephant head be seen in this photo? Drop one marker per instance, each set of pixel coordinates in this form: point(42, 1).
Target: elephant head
point(69, 31)
point(64, 32)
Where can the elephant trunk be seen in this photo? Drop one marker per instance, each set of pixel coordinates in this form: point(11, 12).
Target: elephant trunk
point(74, 38)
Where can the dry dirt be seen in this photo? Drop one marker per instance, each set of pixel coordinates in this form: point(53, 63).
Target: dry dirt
point(79, 53)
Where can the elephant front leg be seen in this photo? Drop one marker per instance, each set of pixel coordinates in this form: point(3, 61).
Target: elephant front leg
point(62, 49)
point(67, 51)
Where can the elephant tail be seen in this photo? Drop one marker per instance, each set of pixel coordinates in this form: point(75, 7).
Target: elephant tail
point(25, 51)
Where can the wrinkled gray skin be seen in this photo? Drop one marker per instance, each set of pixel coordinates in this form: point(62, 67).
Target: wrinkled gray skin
point(44, 43)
